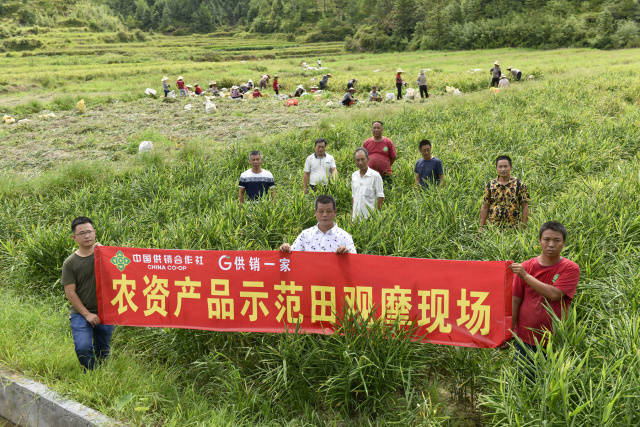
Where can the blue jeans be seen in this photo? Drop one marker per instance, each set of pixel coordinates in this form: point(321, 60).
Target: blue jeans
point(91, 343)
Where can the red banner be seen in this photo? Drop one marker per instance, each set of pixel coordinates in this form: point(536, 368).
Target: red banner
point(463, 303)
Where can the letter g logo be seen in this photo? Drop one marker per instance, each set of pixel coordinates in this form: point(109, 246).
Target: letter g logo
point(224, 262)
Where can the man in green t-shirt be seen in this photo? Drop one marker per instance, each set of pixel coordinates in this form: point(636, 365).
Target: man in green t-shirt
point(91, 338)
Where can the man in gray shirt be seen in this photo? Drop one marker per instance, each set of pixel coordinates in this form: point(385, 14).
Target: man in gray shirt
point(495, 74)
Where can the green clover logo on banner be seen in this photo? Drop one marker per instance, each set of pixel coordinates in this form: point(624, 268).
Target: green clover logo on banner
point(120, 261)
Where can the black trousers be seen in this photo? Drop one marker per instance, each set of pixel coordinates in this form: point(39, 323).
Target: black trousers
point(519, 76)
point(399, 86)
point(423, 89)
point(494, 81)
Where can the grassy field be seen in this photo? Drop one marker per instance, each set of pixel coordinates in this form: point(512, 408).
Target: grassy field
point(572, 132)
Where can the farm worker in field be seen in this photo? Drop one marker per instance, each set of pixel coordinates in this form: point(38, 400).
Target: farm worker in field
point(256, 93)
point(165, 86)
point(399, 83)
point(506, 198)
point(276, 85)
point(250, 84)
point(235, 92)
point(348, 99)
point(367, 192)
point(299, 91)
point(324, 81)
point(428, 169)
point(325, 236)
point(319, 167)
point(422, 84)
point(381, 151)
point(92, 339)
point(495, 74)
point(374, 95)
point(187, 89)
point(181, 87)
point(213, 88)
point(264, 81)
point(319, 63)
point(351, 84)
point(547, 278)
point(517, 74)
point(256, 182)
point(198, 90)
point(504, 82)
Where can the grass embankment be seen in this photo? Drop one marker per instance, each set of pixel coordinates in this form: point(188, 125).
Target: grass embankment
point(573, 138)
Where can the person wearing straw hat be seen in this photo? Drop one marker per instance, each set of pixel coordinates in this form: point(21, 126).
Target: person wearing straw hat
point(495, 74)
point(180, 85)
point(324, 81)
point(188, 90)
point(422, 84)
point(504, 82)
point(165, 86)
point(198, 90)
point(299, 91)
point(399, 83)
point(264, 81)
point(213, 88)
point(235, 92)
point(348, 99)
point(517, 74)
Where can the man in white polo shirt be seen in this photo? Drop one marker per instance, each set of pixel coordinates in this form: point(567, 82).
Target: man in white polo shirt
point(326, 236)
point(319, 167)
point(367, 193)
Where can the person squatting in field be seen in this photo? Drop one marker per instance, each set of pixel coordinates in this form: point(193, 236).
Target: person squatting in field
point(91, 338)
point(506, 198)
point(325, 236)
point(348, 99)
point(548, 279)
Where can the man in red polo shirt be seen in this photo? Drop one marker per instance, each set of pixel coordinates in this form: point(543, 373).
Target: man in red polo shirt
point(546, 278)
point(382, 152)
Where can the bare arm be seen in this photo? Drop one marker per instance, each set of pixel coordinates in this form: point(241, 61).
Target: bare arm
point(525, 213)
point(484, 213)
point(550, 292)
point(380, 201)
point(241, 195)
point(74, 299)
point(334, 174)
point(417, 181)
point(515, 311)
point(305, 182)
point(273, 194)
point(441, 180)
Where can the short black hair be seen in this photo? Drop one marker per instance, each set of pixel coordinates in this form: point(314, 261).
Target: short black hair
point(555, 226)
point(377, 121)
point(423, 143)
point(503, 157)
point(255, 153)
point(80, 220)
point(364, 150)
point(320, 141)
point(325, 199)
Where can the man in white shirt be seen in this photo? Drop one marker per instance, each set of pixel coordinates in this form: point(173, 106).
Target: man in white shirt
point(318, 166)
point(367, 193)
point(326, 236)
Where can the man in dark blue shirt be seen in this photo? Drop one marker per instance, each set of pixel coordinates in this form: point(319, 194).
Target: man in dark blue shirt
point(428, 169)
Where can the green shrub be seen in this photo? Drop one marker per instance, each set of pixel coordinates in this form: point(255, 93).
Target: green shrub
point(20, 43)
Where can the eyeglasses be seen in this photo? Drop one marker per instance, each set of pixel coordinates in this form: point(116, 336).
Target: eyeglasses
point(84, 233)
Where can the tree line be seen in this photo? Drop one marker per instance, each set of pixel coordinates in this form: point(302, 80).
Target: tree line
point(371, 25)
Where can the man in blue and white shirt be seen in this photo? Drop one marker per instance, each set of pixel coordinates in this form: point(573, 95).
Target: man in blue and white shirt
point(255, 182)
point(325, 236)
point(319, 167)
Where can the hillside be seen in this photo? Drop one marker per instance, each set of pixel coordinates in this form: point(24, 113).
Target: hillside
point(364, 25)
